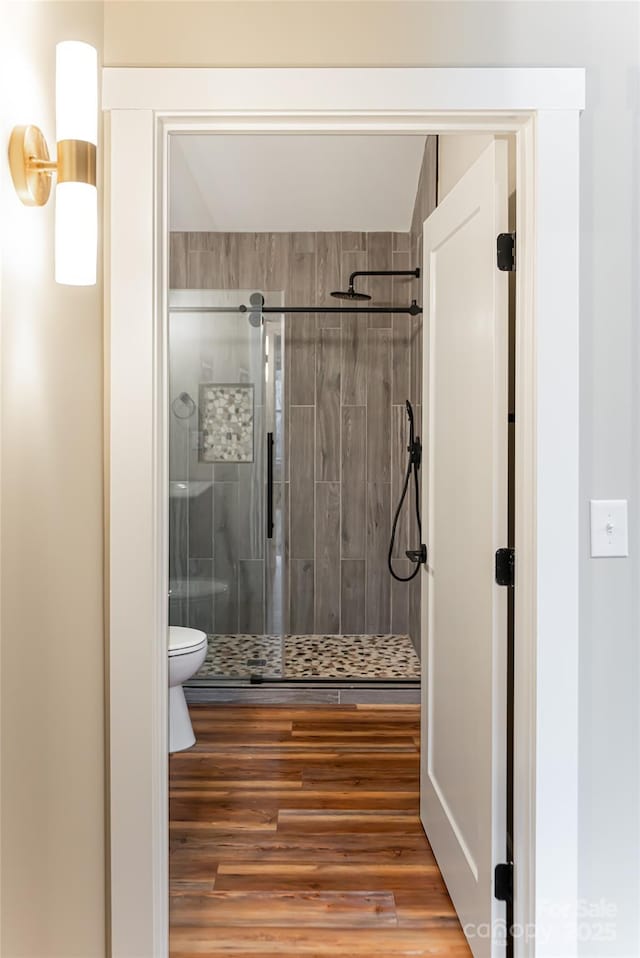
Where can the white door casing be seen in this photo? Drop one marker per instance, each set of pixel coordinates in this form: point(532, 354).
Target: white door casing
point(464, 625)
point(541, 107)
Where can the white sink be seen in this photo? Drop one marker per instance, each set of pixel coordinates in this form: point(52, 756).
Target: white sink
point(196, 589)
point(188, 489)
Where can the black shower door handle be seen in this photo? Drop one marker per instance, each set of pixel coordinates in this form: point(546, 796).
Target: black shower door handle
point(269, 485)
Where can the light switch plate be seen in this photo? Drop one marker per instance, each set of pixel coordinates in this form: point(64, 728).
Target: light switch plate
point(609, 527)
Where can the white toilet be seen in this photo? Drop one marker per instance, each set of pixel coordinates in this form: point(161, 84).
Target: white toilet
point(187, 652)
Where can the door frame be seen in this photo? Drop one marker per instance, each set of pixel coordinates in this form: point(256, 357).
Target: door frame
point(541, 107)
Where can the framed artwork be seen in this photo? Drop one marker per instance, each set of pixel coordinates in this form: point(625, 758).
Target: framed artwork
point(226, 422)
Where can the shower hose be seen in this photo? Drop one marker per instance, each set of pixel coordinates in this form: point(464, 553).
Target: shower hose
point(418, 556)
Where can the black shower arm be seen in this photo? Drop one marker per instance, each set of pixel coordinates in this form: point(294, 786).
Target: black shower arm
point(385, 272)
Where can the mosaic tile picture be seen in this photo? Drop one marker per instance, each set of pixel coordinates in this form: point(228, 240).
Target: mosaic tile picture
point(311, 656)
point(226, 422)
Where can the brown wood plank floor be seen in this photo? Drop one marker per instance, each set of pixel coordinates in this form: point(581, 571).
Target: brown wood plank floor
point(295, 832)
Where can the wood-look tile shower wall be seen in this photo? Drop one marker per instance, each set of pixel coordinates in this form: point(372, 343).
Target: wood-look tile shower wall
point(346, 380)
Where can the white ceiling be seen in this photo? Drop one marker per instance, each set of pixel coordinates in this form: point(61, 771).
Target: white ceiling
point(284, 183)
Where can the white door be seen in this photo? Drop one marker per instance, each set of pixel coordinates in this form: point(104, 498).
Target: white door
point(463, 766)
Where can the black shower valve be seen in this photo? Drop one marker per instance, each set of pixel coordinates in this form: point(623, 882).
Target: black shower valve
point(415, 451)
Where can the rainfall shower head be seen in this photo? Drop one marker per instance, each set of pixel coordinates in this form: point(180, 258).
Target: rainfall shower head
point(350, 293)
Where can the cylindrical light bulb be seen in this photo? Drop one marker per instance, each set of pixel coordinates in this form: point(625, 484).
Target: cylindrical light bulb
point(76, 230)
point(76, 234)
point(76, 91)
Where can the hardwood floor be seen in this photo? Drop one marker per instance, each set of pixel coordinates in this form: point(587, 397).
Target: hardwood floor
point(295, 832)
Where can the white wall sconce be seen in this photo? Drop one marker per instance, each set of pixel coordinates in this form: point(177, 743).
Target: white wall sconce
point(76, 214)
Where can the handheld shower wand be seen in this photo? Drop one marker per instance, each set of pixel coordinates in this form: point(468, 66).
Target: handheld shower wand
point(418, 556)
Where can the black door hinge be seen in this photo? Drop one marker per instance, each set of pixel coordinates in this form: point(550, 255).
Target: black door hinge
point(506, 250)
point(505, 566)
point(503, 882)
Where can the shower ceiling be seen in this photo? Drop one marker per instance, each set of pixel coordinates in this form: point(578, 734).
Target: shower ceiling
point(286, 183)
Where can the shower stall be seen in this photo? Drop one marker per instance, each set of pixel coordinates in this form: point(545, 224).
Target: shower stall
point(288, 441)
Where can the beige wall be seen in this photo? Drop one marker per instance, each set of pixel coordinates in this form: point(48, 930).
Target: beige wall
point(457, 153)
point(604, 38)
point(52, 754)
point(425, 203)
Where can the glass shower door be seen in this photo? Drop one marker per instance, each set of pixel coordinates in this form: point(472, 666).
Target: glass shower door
point(224, 443)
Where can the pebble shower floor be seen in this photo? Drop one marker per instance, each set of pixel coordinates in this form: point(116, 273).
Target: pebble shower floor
point(311, 656)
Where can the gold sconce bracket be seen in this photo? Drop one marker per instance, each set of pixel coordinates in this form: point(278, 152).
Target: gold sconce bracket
point(32, 169)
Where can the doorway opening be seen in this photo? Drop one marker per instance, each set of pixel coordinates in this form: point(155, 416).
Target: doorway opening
point(295, 532)
point(541, 108)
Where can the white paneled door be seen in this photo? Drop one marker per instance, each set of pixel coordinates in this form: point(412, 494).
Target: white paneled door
point(465, 485)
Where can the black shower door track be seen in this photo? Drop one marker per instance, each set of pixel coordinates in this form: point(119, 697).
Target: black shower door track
point(413, 310)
